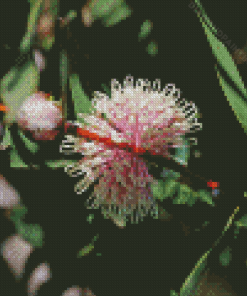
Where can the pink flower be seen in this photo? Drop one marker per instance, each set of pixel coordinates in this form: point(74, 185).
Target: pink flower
point(40, 116)
point(146, 119)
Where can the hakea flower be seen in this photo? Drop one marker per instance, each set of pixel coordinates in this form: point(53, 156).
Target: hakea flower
point(40, 116)
point(141, 118)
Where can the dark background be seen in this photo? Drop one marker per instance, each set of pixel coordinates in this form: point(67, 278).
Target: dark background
point(154, 256)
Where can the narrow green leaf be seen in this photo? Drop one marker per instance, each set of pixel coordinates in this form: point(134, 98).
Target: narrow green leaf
point(87, 249)
point(31, 146)
point(36, 8)
point(239, 106)
point(224, 58)
point(190, 285)
point(60, 163)
point(205, 17)
point(81, 101)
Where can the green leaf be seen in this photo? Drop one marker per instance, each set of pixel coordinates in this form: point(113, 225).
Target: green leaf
point(6, 142)
point(170, 187)
point(190, 285)
point(204, 195)
point(87, 249)
point(206, 18)
point(32, 146)
point(32, 233)
point(102, 8)
point(152, 48)
point(15, 159)
point(119, 14)
point(146, 28)
point(224, 58)
point(106, 89)
point(90, 218)
point(16, 86)
point(173, 293)
point(60, 163)
point(82, 104)
point(28, 39)
point(184, 195)
point(242, 222)
point(18, 213)
point(225, 256)
point(239, 106)
point(48, 42)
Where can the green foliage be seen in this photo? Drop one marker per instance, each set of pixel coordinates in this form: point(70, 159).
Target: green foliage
point(59, 163)
point(242, 222)
point(87, 249)
point(90, 218)
point(173, 293)
point(120, 13)
point(81, 101)
point(152, 48)
point(225, 256)
point(190, 285)
point(16, 86)
point(225, 60)
point(146, 28)
point(32, 146)
point(32, 233)
point(18, 213)
point(28, 39)
point(102, 8)
point(238, 104)
point(183, 193)
point(106, 89)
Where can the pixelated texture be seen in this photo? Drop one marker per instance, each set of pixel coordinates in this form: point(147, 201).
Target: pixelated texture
point(119, 14)
point(87, 249)
point(140, 117)
point(225, 60)
point(39, 116)
point(39, 276)
point(16, 86)
point(28, 39)
point(146, 28)
point(32, 233)
point(152, 48)
point(225, 256)
point(81, 101)
point(15, 251)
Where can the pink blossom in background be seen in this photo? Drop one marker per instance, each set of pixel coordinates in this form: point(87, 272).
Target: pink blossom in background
point(142, 116)
point(40, 116)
